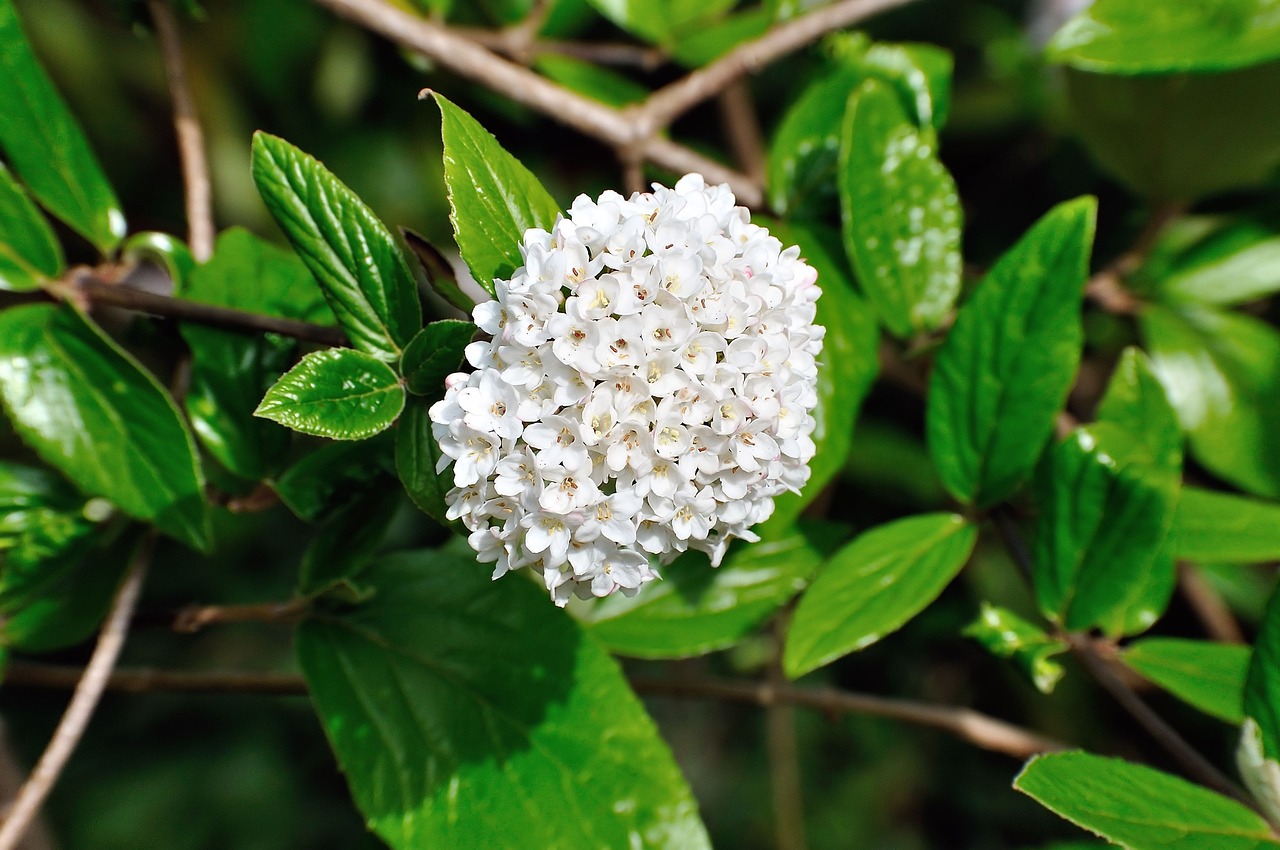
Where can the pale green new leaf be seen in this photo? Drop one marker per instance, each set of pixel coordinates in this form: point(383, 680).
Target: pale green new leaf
point(339, 393)
point(1003, 633)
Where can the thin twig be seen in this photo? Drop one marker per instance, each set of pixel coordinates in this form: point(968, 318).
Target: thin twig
point(1195, 765)
point(671, 101)
point(976, 728)
point(145, 680)
point(85, 288)
point(784, 754)
point(742, 128)
point(196, 617)
point(83, 701)
point(1106, 287)
point(1218, 621)
point(195, 166)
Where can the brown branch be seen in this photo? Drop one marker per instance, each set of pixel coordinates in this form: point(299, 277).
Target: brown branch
point(784, 754)
point(196, 617)
point(85, 288)
point(1191, 761)
point(1218, 621)
point(636, 128)
point(671, 101)
point(1106, 287)
point(186, 122)
point(143, 680)
point(84, 700)
point(742, 129)
point(974, 727)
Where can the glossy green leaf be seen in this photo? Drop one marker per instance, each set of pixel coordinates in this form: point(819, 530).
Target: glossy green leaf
point(332, 477)
point(493, 198)
point(901, 213)
point(448, 696)
point(1135, 402)
point(1209, 676)
point(418, 460)
point(91, 411)
point(696, 609)
point(1221, 372)
point(804, 153)
point(1232, 260)
point(920, 72)
point(1180, 137)
point(29, 253)
point(1213, 526)
point(46, 147)
point(1003, 633)
point(60, 599)
point(874, 585)
point(41, 515)
point(231, 371)
point(701, 44)
point(433, 355)
point(1104, 522)
point(348, 539)
point(1003, 373)
point(350, 252)
point(1140, 37)
point(339, 393)
point(661, 21)
point(1138, 807)
point(846, 370)
point(1262, 686)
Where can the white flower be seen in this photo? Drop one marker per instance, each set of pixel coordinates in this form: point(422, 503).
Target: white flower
point(648, 388)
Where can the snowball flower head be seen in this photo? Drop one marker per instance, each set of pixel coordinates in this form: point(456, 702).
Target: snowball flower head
point(648, 388)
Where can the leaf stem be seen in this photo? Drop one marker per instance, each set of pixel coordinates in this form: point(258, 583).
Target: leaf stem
point(88, 689)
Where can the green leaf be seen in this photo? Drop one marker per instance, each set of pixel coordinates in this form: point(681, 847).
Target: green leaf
point(1103, 524)
point(437, 271)
point(1209, 676)
point(1262, 687)
point(433, 355)
point(803, 156)
point(91, 411)
point(41, 516)
point(1004, 371)
point(349, 538)
point(874, 585)
point(60, 599)
point(337, 393)
point(231, 371)
point(29, 253)
point(1180, 137)
point(46, 146)
point(900, 211)
point(350, 252)
point(162, 249)
point(920, 72)
point(1138, 37)
point(1138, 807)
point(417, 459)
point(447, 697)
point(594, 81)
point(696, 609)
point(1232, 261)
point(1135, 402)
point(701, 44)
point(661, 21)
point(1003, 633)
point(846, 370)
point(493, 198)
point(332, 477)
point(1221, 372)
point(1213, 527)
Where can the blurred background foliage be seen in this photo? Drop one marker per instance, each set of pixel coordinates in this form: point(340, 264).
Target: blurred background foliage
point(180, 772)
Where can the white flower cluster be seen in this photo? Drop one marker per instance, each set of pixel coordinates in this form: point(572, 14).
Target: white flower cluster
point(648, 388)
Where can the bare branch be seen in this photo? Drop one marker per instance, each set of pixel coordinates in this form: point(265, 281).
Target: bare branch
point(83, 701)
point(85, 288)
point(784, 754)
point(971, 726)
point(195, 166)
point(974, 727)
point(668, 103)
point(742, 129)
point(194, 618)
point(1214, 615)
